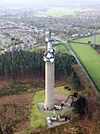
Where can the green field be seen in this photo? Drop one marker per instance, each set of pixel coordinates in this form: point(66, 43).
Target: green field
point(37, 118)
point(91, 38)
point(59, 12)
point(90, 59)
point(61, 48)
point(56, 12)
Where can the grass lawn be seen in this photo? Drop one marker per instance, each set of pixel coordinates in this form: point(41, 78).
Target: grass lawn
point(61, 48)
point(90, 59)
point(37, 118)
point(86, 39)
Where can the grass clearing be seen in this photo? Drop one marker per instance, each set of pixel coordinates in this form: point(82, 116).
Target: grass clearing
point(37, 118)
point(61, 48)
point(90, 59)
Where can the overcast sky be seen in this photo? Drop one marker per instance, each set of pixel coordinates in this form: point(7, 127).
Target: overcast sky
point(49, 2)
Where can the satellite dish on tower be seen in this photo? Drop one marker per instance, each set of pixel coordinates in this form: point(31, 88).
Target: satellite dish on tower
point(49, 55)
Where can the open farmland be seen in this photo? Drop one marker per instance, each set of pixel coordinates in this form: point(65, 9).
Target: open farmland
point(90, 59)
point(91, 38)
point(56, 12)
point(59, 12)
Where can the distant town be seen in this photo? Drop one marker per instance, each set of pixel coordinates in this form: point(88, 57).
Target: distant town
point(23, 28)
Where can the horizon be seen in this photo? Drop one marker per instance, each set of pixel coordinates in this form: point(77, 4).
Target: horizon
point(44, 3)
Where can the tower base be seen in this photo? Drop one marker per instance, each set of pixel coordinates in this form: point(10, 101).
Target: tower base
point(48, 108)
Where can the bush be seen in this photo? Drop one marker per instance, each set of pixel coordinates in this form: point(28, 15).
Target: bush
point(12, 90)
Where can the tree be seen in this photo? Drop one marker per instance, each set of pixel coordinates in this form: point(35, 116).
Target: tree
point(89, 42)
point(25, 64)
point(80, 105)
point(75, 81)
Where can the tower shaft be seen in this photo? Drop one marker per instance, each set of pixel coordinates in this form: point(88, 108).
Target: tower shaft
point(49, 85)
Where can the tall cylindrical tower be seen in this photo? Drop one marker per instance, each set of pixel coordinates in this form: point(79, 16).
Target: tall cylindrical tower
point(49, 59)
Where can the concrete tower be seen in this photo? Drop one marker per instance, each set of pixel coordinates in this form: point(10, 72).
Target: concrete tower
point(49, 58)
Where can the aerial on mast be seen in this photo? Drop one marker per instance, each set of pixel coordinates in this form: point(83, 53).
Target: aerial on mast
point(49, 54)
point(50, 41)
